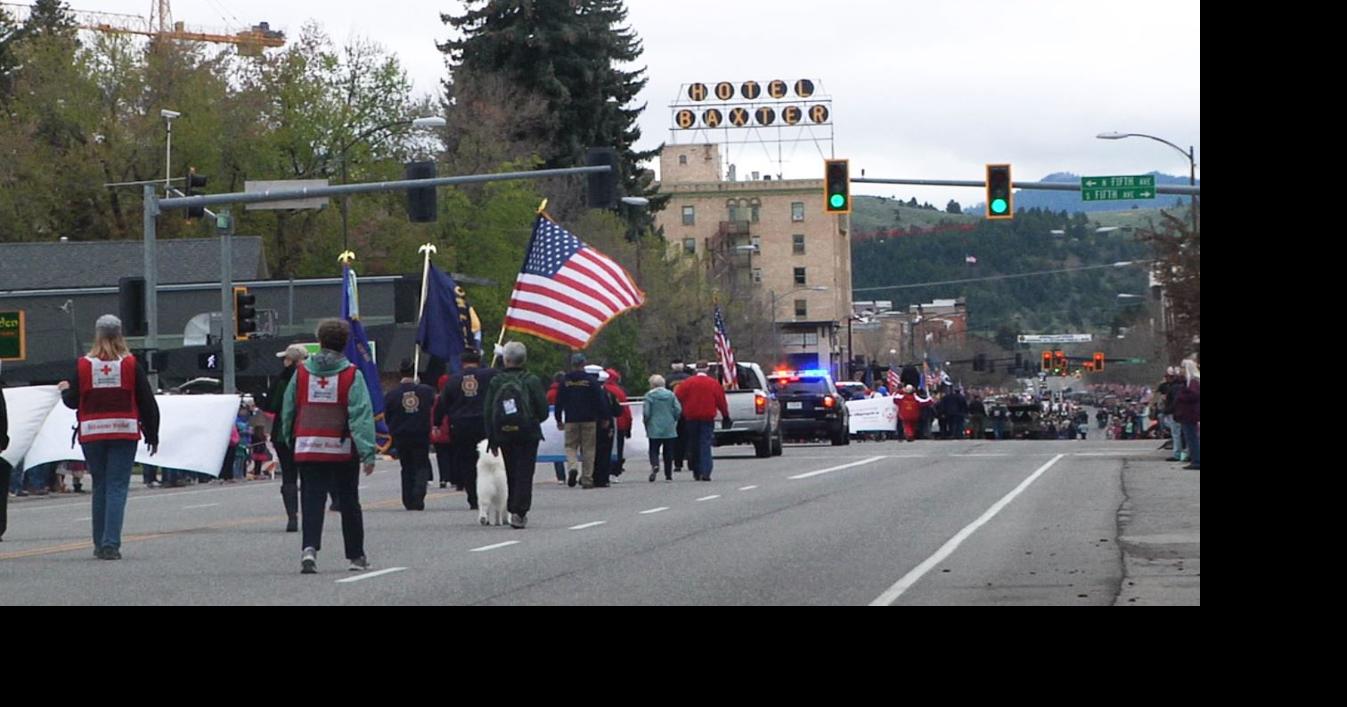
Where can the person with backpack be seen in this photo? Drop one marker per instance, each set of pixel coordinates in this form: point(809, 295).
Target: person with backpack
point(661, 413)
point(514, 411)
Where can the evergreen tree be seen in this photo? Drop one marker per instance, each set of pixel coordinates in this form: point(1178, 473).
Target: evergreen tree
point(567, 52)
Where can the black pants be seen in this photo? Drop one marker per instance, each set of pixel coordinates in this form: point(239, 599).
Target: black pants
point(343, 478)
point(620, 442)
point(680, 445)
point(603, 455)
point(468, 433)
point(953, 427)
point(415, 461)
point(667, 445)
point(444, 460)
point(285, 456)
point(520, 461)
point(5, 470)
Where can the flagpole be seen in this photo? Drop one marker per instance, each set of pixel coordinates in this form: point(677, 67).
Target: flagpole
point(542, 213)
point(428, 248)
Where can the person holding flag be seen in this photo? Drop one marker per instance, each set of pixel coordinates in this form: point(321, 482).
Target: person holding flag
point(357, 350)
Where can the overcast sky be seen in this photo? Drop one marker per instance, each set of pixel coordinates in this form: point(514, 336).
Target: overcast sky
point(924, 89)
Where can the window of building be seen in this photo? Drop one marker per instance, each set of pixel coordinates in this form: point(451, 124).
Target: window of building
point(799, 277)
point(756, 242)
point(801, 308)
point(797, 244)
point(682, 159)
point(797, 211)
point(689, 215)
point(757, 276)
point(690, 246)
point(753, 212)
point(806, 339)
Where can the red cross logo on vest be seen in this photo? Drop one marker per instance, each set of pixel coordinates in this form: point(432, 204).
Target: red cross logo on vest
point(322, 383)
point(107, 369)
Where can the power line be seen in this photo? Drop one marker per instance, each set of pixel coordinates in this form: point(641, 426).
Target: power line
point(1003, 277)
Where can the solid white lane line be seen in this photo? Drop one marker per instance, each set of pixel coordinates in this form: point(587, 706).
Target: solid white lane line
point(836, 468)
point(493, 547)
point(654, 510)
point(911, 578)
point(703, 498)
point(203, 505)
point(747, 488)
point(582, 526)
point(980, 455)
point(390, 570)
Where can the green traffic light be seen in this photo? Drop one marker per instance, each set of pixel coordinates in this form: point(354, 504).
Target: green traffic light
point(837, 201)
point(998, 206)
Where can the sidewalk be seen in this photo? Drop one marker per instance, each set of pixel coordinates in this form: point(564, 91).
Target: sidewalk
point(1160, 531)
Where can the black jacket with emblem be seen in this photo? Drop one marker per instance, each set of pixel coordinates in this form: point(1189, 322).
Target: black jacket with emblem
point(464, 395)
point(407, 411)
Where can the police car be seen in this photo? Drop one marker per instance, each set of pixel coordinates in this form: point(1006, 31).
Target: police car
point(811, 407)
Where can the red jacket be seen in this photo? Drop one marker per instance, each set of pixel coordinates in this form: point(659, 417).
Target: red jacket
point(701, 396)
point(623, 420)
point(909, 406)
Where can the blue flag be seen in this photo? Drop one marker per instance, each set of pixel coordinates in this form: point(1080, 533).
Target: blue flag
point(358, 353)
point(441, 331)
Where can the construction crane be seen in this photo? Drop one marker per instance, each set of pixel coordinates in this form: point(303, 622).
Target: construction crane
point(160, 24)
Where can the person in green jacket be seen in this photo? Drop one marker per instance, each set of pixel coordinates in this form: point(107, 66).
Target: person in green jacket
point(513, 412)
point(661, 412)
point(330, 441)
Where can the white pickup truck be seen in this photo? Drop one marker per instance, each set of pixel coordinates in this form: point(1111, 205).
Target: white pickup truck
point(754, 410)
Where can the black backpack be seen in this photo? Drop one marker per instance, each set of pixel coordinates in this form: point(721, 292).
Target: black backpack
point(513, 417)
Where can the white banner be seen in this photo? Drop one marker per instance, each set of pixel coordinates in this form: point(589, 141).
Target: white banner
point(26, 409)
point(873, 415)
point(1055, 338)
point(194, 432)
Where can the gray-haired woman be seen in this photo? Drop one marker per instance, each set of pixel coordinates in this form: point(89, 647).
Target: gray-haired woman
point(660, 412)
point(116, 407)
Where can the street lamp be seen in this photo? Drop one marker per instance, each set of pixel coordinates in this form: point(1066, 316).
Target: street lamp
point(168, 116)
point(416, 124)
point(1192, 163)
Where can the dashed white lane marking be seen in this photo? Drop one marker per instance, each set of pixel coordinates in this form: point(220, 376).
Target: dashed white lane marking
point(493, 547)
point(582, 526)
point(203, 505)
point(808, 474)
point(80, 520)
point(979, 455)
point(911, 578)
point(654, 510)
point(371, 575)
point(708, 498)
point(747, 488)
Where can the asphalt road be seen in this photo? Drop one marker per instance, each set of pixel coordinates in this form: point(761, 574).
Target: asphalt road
point(957, 522)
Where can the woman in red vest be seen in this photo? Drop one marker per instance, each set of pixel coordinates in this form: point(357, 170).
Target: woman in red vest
point(115, 408)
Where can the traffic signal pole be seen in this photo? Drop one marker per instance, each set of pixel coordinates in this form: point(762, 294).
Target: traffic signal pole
point(224, 226)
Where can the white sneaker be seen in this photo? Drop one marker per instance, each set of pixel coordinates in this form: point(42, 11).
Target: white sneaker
point(308, 563)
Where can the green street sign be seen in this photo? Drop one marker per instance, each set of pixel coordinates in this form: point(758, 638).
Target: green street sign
point(1135, 360)
point(13, 336)
point(1119, 188)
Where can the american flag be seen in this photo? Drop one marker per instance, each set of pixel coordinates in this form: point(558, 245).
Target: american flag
point(567, 290)
point(728, 372)
point(894, 383)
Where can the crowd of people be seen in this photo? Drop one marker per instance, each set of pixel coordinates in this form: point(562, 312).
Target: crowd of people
point(319, 420)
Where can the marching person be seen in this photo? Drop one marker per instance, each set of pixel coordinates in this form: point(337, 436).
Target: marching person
point(291, 358)
point(5, 468)
point(461, 402)
point(614, 386)
point(578, 412)
point(661, 412)
point(1188, 411)
point(115, 407)
point(910, 408)
point(515, 409)
point(701, 397)
point(328, 420)
point(407, 410)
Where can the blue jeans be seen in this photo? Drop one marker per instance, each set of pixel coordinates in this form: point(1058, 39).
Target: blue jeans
point(701, 433)
point(1194, 442)
point(1176, 434)
point(110, 465)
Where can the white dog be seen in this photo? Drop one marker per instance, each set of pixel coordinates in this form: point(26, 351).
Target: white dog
point(492, 491)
